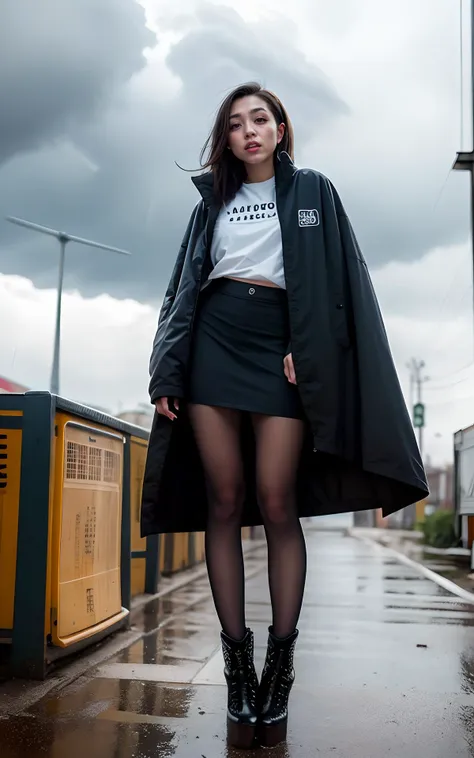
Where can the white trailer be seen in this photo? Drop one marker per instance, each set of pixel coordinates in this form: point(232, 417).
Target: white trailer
point(464, 484)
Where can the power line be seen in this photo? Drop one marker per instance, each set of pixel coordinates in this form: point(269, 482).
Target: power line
point(451, 384)
point(451, 401)
point(442, 322)
point(453, 373)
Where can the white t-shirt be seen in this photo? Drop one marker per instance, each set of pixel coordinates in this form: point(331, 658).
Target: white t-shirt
point(247, 237)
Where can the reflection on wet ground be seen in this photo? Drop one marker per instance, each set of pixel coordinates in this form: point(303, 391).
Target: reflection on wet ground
point(385, 666)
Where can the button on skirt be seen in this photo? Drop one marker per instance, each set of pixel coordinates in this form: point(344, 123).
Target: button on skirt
point(240, 339)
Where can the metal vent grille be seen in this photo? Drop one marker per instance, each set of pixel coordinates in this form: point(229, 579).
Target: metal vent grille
point(111, 466)
point(71, 460)
point(93, 464)
point(82, 467)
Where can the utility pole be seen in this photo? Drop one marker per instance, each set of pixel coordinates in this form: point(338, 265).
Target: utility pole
point(418, 409)
point(465, 160)
point(63, 240)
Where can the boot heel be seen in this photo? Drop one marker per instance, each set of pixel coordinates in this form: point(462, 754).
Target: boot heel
point(242, 685)
point(272, 735)
point(240, 736)
point(274, 690)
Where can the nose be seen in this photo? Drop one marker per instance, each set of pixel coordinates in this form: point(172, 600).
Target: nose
point(250, 130)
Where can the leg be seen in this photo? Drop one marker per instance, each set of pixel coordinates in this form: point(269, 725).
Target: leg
point(279, 443)
point(217, 432)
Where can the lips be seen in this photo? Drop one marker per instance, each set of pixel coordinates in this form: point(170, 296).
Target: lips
point(252, 145)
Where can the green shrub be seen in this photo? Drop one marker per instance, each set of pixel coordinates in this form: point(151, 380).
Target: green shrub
point(438, 529)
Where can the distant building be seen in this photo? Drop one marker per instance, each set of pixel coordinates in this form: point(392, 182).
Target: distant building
point(441, 487)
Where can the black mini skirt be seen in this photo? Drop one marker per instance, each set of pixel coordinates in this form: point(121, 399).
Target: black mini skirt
point(240, 340)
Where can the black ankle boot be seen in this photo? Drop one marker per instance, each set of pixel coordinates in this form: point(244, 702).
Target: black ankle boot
point(242, 684)
point(277, 680)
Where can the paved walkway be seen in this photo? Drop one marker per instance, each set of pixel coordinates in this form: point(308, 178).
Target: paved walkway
point(385, 667)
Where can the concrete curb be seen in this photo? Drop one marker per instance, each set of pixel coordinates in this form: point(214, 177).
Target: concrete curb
point(446, 584)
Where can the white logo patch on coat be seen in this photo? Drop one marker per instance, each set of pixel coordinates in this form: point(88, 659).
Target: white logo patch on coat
point(308, 218)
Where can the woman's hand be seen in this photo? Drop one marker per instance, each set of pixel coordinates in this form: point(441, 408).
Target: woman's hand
point(162, 407)
point(289, 369)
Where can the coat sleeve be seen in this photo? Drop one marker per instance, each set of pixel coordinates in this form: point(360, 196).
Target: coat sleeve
point(166, 374)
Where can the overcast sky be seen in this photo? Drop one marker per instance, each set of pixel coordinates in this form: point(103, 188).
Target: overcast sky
point(103, 96)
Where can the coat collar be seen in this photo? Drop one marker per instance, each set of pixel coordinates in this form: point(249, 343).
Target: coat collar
point(284, 172)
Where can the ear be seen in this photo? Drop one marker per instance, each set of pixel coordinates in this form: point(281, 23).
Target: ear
point(280, 133)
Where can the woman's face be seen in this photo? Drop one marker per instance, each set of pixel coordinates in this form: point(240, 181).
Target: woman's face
point(254, 133)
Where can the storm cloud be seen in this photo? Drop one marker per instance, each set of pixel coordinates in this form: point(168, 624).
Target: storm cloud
point(92, 131)
point(59, 63)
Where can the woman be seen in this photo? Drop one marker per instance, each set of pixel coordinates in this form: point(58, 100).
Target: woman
point(275, 391)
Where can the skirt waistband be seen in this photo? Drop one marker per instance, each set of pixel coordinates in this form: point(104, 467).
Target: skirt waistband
point(246, 290)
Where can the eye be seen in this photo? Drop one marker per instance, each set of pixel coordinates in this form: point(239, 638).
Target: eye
point(234, 126)
point(261, 119)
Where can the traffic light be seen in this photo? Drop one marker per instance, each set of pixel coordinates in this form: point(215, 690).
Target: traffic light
point(418, 415)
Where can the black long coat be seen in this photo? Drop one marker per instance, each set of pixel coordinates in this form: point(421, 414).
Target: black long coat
point(360, 450)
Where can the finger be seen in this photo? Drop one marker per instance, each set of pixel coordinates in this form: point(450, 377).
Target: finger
point(289, 369)
point(168, 413)
point(163, 408)
point(159, 407)
point(173, 405)
point(292, 371)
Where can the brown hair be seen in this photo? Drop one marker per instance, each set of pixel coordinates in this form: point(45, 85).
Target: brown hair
point(229, 172)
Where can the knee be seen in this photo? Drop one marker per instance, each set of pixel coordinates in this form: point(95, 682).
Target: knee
point(227, 503)
point(275, 505)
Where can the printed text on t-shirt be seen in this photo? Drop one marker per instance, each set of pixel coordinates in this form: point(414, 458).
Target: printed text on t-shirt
point(255, 212)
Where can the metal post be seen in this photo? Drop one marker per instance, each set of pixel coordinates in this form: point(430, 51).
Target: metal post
point(465, 159)
point(472, 217)
point(471, 166)
point(57, 332)
point(63, 240)
point(472, 68)
point(472, 137)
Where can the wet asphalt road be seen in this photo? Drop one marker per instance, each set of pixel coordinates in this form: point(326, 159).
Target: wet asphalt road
point(364, 689)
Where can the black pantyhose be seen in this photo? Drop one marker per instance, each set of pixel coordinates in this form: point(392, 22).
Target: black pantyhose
point(279, 442)
point(217, 433)
point(278, 447)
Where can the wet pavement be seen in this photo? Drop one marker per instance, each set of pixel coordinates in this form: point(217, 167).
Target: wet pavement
point(384, 667)
point(453, 564)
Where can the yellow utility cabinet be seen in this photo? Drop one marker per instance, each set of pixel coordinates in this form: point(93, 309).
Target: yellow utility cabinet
point(64, 529)
point(87, 520)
